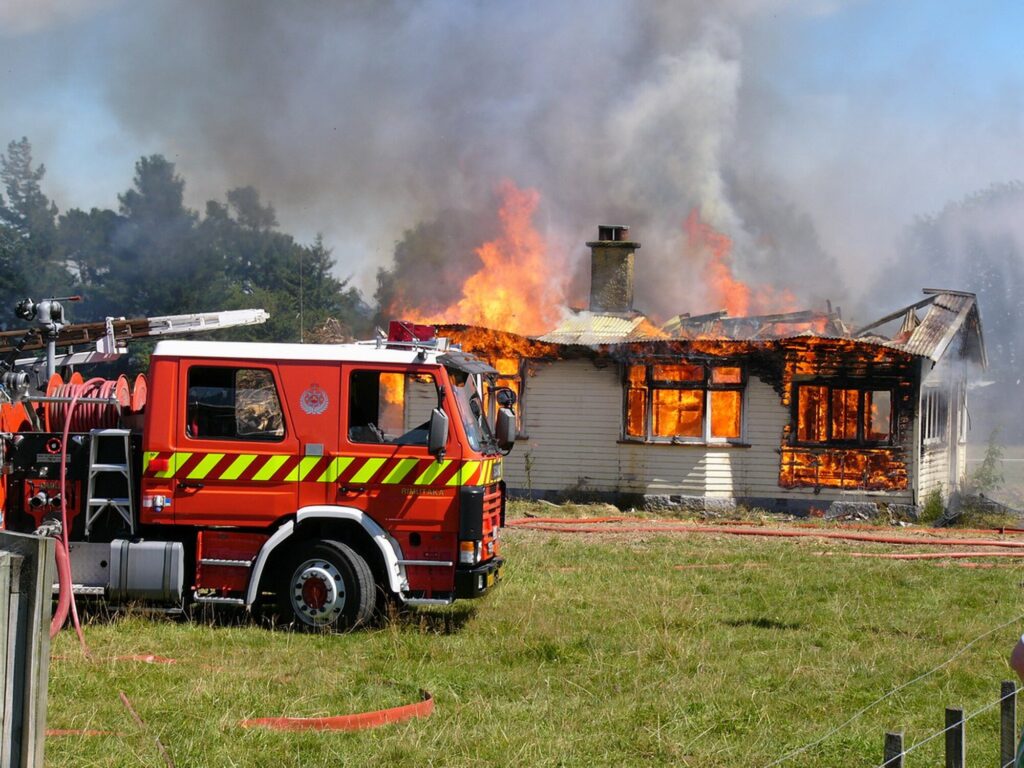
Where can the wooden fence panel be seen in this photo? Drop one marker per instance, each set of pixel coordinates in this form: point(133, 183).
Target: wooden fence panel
point(26, 582)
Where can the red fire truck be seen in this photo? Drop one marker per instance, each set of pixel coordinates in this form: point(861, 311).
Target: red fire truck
point(318, 480)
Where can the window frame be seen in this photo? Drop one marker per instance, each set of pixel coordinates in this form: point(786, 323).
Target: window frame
point(704, 384)
point(361, 440)
point(863, 387)
point(235, 370)
point(936, 427)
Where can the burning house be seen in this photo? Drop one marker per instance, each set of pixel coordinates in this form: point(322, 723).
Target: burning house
point(793, 411)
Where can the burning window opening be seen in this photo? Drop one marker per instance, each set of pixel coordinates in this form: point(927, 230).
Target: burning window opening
point(684, 402)
point(849, 414)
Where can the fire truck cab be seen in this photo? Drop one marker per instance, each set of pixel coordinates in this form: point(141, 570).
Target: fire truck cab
point(317, 479)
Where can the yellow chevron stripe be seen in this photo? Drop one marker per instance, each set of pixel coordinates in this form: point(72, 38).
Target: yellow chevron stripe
point(396, 475)
point(367, 470)
point(335, 468)
point(303, 468)
point(267, 470)
point(148, 456)
point(238, 466)
point(485, 472)
point(465, 472)
point(433, 472)
point(177, 460)
point(202, 469)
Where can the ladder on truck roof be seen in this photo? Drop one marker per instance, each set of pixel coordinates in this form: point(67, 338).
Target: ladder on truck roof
point(108, 337)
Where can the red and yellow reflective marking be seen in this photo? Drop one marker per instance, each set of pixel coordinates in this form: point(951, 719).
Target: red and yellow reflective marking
point(285, 468)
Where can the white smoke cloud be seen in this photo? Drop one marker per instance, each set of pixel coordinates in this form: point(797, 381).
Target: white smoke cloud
point(362, 119)
point(20, 17)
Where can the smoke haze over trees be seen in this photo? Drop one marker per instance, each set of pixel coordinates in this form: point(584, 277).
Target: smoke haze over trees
point(976, 245)
point(155, 256)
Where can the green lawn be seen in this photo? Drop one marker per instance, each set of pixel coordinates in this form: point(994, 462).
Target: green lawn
point(634, 649)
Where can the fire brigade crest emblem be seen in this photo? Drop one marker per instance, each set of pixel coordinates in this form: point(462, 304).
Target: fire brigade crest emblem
point(314, 400)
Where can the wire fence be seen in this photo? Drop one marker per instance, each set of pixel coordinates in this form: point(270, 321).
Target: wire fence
point(955, 733)
point(856, 715)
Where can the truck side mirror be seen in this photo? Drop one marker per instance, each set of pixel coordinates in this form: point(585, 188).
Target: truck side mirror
point(505, 397)
point(438, 438)
point(505, 428)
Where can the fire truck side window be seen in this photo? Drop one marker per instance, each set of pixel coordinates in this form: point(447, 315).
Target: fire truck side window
point(233, 404)
point(386, 407)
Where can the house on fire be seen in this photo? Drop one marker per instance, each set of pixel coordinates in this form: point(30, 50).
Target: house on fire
point(796, 411)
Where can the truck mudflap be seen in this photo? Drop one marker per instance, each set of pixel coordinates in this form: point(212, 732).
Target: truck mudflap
point(476, 581)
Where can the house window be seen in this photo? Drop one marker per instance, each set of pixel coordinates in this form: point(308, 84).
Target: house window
point(684, 402)
point(934, 416)
point(850, 415)
point(233, 404)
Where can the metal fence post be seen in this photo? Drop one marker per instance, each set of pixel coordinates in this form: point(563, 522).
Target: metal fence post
point(1007, 723)
point(956, 743)
point(26, 586)
point(893, 750)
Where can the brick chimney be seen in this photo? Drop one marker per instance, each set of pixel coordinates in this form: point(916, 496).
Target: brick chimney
point(611, 270)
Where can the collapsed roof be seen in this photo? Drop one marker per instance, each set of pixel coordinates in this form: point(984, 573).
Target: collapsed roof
point(946, 313)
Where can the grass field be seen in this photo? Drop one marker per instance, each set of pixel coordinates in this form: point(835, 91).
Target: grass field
point(628, 649)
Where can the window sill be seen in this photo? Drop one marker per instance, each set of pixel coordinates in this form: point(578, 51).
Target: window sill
point(686, 444)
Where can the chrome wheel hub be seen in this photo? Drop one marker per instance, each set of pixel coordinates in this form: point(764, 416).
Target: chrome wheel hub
point(318, 592)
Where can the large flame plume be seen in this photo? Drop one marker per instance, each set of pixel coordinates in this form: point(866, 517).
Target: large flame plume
point(520, 286)
point(722, 288)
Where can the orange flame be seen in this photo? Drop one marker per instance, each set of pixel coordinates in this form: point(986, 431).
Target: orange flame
point(519, 287)
point(724, 290)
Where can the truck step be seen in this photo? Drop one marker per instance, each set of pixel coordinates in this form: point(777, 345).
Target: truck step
point(226, 563)
point(83, 589)
point(217, 600)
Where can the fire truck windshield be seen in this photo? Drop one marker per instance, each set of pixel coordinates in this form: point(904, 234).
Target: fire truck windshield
point(472, 413)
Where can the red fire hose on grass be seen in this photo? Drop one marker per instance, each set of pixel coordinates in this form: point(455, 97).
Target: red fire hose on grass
point(599, 526)
point(355, 722)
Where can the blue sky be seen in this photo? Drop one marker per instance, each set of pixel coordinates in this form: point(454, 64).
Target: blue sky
point(360, 122)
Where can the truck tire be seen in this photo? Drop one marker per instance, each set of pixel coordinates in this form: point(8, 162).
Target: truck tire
point(326, 585)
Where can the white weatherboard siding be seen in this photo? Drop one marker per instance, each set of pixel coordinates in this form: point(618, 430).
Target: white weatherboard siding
point(573, 419)
point(934, 472)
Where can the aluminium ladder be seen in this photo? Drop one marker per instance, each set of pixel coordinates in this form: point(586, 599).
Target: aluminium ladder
point(118, 482)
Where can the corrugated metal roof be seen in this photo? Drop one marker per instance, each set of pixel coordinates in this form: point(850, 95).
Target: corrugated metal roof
point(594, 329)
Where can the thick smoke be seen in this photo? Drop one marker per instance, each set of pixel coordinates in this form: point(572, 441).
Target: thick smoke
point(365, 120)
point(974, 245)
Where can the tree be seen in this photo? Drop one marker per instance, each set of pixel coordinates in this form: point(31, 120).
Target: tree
point(249, 212)
point(28, 231)
point(155, 264)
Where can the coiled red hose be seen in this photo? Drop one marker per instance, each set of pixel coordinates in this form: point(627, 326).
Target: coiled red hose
point(88, 416)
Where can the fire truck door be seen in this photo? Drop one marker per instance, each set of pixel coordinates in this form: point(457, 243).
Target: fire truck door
point(392, 476)
point(236, 454)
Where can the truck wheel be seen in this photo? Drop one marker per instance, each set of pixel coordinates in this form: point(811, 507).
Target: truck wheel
point(329, 586)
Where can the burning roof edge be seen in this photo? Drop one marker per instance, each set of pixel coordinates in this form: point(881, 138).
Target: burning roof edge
point(949, 313)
